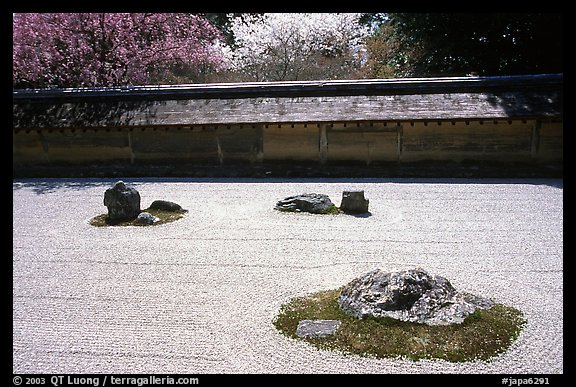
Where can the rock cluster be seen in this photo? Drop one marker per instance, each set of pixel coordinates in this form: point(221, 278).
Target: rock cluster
point(353, 202)
point(410, 295)
point(123, 203)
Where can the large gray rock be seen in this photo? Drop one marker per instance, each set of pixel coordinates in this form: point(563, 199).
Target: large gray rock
point(123, 202)
point(317, 329)
point(354, 202)
point(308, 202)
point(410, 295)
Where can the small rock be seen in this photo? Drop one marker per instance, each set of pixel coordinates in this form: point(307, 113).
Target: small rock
point(165, 205)
point(353, 202)
point(146, 218)
point(317, 328)
point(308, 202)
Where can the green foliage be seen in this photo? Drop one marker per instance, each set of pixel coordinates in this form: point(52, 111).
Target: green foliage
point(447, 44)
point(482, 336)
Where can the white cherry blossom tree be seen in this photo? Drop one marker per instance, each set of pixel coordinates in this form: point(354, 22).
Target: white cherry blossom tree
point(297, 46)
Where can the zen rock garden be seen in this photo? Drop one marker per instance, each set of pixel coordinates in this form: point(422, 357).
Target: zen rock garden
point(353, 202)
point(408, 313)
point(123, 203)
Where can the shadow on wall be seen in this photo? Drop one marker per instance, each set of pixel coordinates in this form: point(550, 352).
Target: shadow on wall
point(528, 104)
point(82, 114)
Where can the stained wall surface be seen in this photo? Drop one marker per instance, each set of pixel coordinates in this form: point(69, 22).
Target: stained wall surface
point(376, 142)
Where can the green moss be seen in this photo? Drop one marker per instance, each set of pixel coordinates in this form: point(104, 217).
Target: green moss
point(165, 217)
point(332, 210)
point(482, 336)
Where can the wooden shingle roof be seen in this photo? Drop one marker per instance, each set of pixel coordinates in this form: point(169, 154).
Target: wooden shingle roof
point(410, 99)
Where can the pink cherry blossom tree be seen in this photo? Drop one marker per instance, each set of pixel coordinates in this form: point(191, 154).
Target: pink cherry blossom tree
point(109, 49)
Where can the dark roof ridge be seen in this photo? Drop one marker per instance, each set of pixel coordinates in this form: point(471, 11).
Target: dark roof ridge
point(393, 86)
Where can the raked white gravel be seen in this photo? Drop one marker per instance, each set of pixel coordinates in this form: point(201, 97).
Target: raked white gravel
point(199, 295)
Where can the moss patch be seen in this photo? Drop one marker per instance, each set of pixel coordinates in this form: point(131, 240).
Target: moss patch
point(482, 336)
point(332, 210)
point(165, 217)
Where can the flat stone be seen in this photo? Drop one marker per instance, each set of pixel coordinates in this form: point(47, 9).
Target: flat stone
point(317, 329)
point(308, 202)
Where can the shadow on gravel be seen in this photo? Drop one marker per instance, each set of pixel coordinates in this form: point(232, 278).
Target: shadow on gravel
point(364, 215)
point(48, 185)
point(45, 186)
